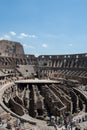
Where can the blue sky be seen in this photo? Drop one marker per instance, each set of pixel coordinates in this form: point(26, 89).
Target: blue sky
point(45, 27)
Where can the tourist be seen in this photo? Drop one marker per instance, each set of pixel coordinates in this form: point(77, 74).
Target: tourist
point(68, 126)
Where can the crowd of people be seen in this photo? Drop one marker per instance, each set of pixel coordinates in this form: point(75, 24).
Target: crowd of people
point(68, 122)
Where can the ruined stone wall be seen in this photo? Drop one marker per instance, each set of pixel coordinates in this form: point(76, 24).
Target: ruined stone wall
point(16, 107)
point(63, 61)
point(10, 47)
point(64, 66)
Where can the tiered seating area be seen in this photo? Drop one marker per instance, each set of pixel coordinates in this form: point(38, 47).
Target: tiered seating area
point(65, 66)
point(26, 70)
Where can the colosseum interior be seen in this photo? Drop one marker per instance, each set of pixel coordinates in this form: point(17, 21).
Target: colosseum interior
point(34, 88)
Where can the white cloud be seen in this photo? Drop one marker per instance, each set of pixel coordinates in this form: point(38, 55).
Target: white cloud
point(22, 35)
point(13, 33)
point(5, 37)
point(31, 36)
point(44, 45)
point(28, 46)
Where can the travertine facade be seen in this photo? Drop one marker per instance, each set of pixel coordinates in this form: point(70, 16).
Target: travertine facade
point(10, 47)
